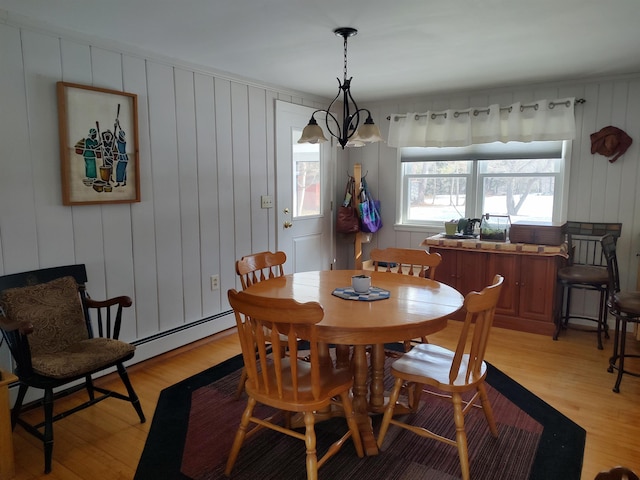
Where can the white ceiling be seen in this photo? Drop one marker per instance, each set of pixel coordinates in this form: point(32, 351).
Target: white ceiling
point(403, 48)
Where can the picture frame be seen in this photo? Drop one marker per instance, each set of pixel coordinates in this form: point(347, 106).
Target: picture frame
point(99, 156)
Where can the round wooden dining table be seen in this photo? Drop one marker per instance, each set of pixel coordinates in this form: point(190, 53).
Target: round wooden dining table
point(415, 307)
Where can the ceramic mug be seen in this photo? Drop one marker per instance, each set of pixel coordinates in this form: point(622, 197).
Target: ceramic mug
point(450, 228)
point(361, 283)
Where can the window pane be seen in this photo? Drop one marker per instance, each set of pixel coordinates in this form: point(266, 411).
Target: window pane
point(306, 178)
point(523, 198)
point(436, 198)
point(438, 168)
point(536, 165)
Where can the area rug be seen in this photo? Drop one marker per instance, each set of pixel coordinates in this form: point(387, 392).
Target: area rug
point(196, 419)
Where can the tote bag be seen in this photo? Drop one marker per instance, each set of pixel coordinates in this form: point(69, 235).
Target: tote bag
point(347, 220)
point(370, 219)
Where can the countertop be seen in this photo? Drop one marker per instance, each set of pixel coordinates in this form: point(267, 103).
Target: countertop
point(442, 241)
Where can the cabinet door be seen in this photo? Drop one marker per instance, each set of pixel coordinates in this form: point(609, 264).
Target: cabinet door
point(471, 271)
point(537, 287)
point(509, 267)
point(446, 271)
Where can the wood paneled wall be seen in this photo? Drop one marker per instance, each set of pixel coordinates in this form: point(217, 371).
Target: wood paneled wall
point(206, 156)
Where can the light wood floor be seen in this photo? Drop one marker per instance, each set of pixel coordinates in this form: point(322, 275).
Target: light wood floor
point(105, 441)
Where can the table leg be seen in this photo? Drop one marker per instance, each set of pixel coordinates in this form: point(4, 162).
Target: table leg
point(360, 372)
point(360, 404)
point(323, 354)
point(376, 398)
point(342, 356)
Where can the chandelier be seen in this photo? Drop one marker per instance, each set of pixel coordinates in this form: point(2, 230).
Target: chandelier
point(348, 132)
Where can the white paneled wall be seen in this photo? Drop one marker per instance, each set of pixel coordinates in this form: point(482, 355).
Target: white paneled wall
point(206, 156)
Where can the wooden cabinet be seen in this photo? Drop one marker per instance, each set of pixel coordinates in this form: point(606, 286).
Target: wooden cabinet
point(531, 292)
point(459, 269)
point(528, 298)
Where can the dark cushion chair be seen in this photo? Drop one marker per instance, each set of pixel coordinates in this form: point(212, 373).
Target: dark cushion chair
point(586, 271)
point(625, 307)
point(50, 333)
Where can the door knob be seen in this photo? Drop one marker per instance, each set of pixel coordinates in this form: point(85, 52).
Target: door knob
point(288, 224)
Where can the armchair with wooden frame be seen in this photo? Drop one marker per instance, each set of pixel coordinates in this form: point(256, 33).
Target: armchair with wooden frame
point(51, 336)
point(288, 383)
point(450, 373)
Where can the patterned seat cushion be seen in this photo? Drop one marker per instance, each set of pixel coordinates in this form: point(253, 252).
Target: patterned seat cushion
point(60, 344)
point(81, 358)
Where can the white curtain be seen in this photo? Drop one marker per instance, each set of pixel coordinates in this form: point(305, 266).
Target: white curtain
point(539, 120)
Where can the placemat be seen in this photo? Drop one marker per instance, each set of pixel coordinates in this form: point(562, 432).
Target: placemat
point(374, 293)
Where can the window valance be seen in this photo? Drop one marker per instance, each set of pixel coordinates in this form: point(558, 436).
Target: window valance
point(519, 122)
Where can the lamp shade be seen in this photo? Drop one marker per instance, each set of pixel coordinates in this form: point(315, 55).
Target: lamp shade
point(369, 132)
point(355, 141)
point(312, 133)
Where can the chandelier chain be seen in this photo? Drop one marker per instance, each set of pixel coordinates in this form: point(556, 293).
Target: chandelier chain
point(344, 73)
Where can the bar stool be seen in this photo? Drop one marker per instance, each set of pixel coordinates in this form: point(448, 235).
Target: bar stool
point(587, 271)
point(625, 307)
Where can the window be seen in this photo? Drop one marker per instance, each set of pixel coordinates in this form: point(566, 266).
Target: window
point(306, 178)
point(523, 180)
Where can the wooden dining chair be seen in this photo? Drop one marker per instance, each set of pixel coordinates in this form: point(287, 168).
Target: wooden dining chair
point(406, 261)
point(451, 372)
point(255, 268)
point(288, 383)
point(261, 266)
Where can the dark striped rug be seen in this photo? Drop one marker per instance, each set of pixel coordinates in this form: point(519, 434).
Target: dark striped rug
point(196, 419)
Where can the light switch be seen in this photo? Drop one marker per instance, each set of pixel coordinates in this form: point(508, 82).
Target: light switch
point(266, 201)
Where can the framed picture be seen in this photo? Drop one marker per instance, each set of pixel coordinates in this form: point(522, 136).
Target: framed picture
point(98, 145)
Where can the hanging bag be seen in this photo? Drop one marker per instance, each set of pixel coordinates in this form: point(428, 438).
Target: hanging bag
point(370, 218)
point(347, 220)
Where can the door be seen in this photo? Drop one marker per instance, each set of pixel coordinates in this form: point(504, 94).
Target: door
point(304, 179)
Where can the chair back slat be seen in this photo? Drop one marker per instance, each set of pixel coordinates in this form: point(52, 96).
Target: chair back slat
point(278, 317)
point(407, 261)
point(584, 241)
point(258, 267)
point(609, 250)
point(480, 310)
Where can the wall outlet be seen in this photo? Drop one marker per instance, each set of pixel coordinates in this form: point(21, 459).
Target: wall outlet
point(215, 282)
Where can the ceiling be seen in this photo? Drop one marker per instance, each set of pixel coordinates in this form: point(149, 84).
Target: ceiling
point(403, 48)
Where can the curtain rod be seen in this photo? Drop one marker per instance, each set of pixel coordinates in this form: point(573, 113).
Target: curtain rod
point(476, 112)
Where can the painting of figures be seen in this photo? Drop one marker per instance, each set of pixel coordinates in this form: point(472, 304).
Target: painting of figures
point(98, 145)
